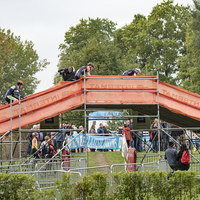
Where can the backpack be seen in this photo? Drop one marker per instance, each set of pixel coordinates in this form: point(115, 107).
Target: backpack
point(185, 158)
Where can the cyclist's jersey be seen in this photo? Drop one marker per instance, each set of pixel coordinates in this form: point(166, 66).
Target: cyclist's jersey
point(34, 143)
point(81, 70)
point(129, 72)
point(13, 93)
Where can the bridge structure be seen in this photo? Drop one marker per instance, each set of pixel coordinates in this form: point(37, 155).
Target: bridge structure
point(145, 94)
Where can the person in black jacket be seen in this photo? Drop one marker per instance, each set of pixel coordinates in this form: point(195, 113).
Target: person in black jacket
point(68, 73)
point(182, 166)
point(176, 135)
point(171, 155)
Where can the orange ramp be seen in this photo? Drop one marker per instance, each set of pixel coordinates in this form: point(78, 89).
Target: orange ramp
point(177, 106)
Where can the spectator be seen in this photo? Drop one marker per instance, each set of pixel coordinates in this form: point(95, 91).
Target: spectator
point(196, 140)
point(171, 156)
point(100, 129)
point(165, 136)
point(128, 123)
point(81, 149)
point(83, 69)
point(106, 133)
point(41, 134)
point(176, 135)
point(127, 133)
point(133, 143)
point(92, 131)
point(29, 138)
point(54, 139)
point(100, 132)
point(120, 130)
point(139, 141)
point(68, 73)
point(59, 138)
point(35, 145)
point(182, 166)
point(154, 134)
point(67, 126)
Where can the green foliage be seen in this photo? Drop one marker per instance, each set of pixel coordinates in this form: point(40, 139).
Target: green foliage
point(129, 185)
point(65, 187)
point(18, 61)
point(190, 62)
point(47, 194)
point(156, 42)
point(91, 41)
point(16, 186)
point(100, 186)
point(84, 187)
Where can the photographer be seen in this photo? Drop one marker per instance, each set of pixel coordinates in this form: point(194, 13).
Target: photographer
point(68, 73)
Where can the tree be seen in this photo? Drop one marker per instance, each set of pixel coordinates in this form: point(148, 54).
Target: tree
point(91, 41)
point(190, 62)
point(18, 61)
point(157, 42)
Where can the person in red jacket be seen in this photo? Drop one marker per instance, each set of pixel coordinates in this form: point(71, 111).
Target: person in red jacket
point(128, 134)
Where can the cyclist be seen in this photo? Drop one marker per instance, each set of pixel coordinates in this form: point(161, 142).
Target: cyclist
point(35, 145)
point(13, 93)
point(131, 72)
point(44, 146)
point(83, 69)
point(50, 149)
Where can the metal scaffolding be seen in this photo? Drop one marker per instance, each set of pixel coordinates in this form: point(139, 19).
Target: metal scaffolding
point(88, 106)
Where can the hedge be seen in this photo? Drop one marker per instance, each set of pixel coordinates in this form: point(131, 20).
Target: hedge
point(131, 185)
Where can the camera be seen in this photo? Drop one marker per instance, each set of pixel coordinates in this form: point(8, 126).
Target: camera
point(62, 71)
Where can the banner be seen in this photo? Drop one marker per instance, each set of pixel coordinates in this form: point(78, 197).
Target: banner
point(96, 142)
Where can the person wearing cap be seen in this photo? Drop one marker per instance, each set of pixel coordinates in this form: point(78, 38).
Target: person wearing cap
point(35, 144)
point(131, 72)
point(68, 73)
point(13, 93)
point(83, 69)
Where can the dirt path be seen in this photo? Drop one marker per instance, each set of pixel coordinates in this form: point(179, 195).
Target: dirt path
point(100, 159)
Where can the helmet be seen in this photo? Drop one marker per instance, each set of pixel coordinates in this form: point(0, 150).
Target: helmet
point(20, 82)
point(46, 137)
point(34, 133)
point(137, 69)
point(91, 64)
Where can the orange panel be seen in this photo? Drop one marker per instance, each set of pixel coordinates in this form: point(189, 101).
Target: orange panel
point(118, 90)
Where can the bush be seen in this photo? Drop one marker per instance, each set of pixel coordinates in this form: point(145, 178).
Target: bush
point(131, 185)
point(16, 186)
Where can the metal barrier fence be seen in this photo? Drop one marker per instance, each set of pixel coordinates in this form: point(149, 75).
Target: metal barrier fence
point(91, 170)
point(150, 157)
point(46, 179)
point(17, 168)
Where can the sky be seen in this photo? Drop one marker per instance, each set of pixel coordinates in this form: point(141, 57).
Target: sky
point(44, 22)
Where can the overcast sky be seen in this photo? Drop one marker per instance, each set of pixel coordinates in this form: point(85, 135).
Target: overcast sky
point(44, 22)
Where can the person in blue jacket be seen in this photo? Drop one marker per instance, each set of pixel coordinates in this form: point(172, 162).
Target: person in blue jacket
point(12, 95)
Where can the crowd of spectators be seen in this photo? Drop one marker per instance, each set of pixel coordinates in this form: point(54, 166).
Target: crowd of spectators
point(134, 139)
